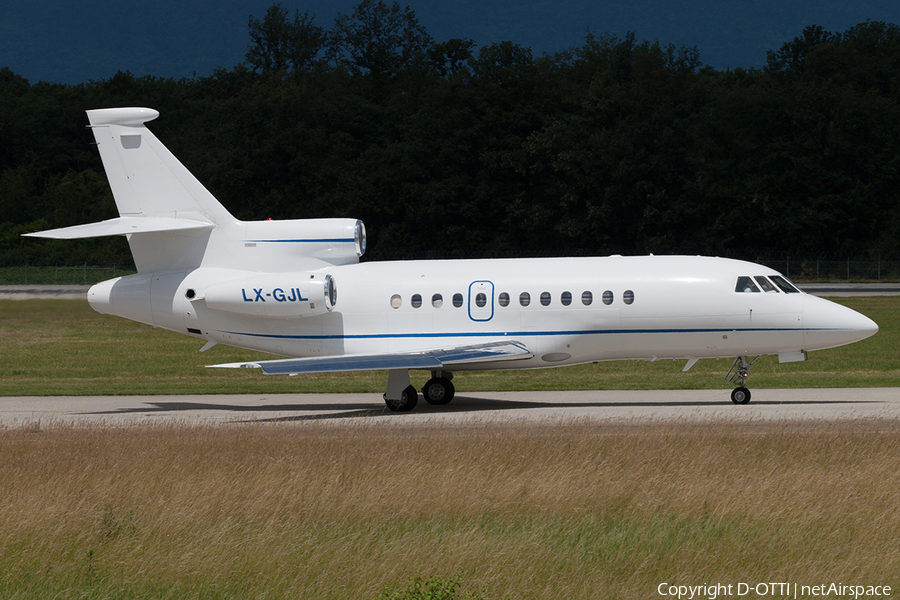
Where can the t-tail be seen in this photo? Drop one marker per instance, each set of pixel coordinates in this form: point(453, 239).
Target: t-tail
point(174, 223)
point(175, 226)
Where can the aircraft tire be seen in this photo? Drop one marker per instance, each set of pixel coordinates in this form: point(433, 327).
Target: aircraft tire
point(439, 390)
point(740, 395)
point(408, 400)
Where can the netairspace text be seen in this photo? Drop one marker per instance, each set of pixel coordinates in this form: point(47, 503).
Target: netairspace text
point(771, 590)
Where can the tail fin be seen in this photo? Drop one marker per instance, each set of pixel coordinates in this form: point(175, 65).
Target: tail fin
point(174, 224)
point(146, 179)
point(164, 210)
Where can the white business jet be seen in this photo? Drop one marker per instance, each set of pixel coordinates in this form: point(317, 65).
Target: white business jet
point(273, 286)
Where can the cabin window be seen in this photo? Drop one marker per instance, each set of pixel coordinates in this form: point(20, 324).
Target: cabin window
point(766, 285)
point(480, 300)
point(416, 301)
point(457, 300)
point(524, 298)
point(437, 301)
point(503, 299)
point(566, 298)
point(396, 301)
point(745, 284)
point(587, 298)
point(784, 284)
point(607, 297)
point(628, 297)
point(545, 298)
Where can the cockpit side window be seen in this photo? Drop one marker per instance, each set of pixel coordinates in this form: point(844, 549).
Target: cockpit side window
point(766, 285)
point(784, 284)
point(745, 284)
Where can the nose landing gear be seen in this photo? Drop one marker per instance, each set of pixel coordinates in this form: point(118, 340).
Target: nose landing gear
point(737, 374)
point(740, 395)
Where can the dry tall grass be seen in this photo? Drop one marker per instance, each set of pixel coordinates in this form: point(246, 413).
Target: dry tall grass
point(527, 511)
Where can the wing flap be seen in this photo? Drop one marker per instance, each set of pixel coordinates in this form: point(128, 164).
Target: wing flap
point(496, 351)
point(121, 226)
point(431, 360)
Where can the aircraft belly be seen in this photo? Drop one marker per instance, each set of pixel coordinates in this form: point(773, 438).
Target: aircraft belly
point(301, 336)
point(773, 332)
point(233, 336)
point(710, 336)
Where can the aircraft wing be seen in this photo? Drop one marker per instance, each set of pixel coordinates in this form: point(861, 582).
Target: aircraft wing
point(444, 358)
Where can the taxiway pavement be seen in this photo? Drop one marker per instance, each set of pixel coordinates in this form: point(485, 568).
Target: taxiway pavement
point(767, 406)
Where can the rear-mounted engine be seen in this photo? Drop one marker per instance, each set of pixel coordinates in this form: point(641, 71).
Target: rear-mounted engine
point(275, 295)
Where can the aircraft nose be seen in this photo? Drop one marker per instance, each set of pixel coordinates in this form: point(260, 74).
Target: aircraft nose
point(827, 324)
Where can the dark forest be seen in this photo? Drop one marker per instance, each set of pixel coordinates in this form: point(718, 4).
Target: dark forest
point(619, 146)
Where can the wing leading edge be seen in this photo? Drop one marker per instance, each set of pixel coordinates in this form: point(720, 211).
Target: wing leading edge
point(444, 358)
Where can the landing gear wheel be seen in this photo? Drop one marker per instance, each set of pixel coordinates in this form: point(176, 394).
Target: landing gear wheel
point(408, 400)
point(740, 395)
point(439, 390)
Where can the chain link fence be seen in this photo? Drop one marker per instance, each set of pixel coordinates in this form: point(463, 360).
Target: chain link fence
point(60, 275)
point(832, 268)
point(825, 268)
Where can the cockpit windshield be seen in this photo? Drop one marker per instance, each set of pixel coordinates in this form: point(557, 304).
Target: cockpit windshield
point(747, 284)
point(784, 284)
point(766, 285)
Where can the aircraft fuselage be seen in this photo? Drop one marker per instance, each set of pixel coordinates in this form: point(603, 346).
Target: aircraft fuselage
point(565, 310)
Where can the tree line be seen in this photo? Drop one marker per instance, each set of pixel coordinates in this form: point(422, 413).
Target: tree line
point(445, 149)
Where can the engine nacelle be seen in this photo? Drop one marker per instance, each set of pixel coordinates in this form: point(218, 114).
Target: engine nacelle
point(278, 295)
point(278, 244)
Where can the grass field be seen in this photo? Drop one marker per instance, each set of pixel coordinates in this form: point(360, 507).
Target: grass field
point(308, 510)
point(52, 347)
point(544, 512)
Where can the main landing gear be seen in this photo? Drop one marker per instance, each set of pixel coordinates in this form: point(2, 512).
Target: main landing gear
point(439, 389)
point(407, 401)
point(401, 396)
point(738, 374)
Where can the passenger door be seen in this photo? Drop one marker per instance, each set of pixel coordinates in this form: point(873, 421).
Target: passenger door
point(481, 301)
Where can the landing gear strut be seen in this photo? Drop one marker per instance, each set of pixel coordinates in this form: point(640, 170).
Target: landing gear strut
point(408, 400)
point(738, 374)
point(400, 396)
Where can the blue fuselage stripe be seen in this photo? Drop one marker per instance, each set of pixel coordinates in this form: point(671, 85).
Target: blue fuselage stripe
point(507, 334)
point(310, 241)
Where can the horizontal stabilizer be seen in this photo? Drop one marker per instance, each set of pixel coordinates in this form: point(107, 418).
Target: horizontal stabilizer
point(121, 226)
point(445, 358)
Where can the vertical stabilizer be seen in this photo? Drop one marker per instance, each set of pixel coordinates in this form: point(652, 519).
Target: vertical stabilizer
point(146, 179)
point(150, 185)
point(174, 225)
